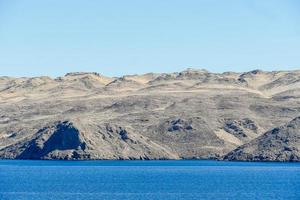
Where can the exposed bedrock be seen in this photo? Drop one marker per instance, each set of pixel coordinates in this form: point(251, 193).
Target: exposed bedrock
point(193, 114)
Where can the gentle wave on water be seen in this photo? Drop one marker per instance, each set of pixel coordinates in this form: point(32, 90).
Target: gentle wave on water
point(145, 180)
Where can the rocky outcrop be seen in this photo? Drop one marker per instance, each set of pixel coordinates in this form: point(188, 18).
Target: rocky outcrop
point(179, 125)
point(62, 140)
point(279, 144)
point(242, 129)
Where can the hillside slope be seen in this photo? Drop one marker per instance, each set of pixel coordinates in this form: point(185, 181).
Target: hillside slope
point(193, 114)
point(278, 144)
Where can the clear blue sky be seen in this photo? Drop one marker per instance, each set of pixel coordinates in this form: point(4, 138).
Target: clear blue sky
point(116, 37)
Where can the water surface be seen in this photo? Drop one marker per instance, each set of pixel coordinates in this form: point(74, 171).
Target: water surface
point(116, 180)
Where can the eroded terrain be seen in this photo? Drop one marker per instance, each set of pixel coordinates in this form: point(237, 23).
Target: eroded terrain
point(191, 114)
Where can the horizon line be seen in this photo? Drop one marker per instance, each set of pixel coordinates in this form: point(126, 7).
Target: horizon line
point(144, 73)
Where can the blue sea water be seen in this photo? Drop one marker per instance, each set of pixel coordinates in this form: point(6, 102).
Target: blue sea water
point(164, 180)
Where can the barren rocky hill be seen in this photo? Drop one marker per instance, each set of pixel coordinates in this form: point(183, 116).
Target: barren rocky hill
point(190, 114)
point(279, 144)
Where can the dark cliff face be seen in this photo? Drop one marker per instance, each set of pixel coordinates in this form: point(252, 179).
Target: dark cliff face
point(62, 140)
point(184, 115)
point(63, 136)
point(278, 144)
